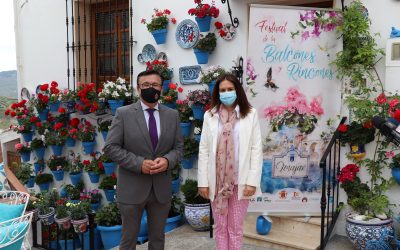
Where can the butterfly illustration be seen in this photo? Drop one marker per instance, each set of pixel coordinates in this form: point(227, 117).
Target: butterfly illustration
point(326, 48)
point(270, 83)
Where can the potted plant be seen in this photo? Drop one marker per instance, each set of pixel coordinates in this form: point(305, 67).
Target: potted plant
point(210, 75)
point(197, 209)
point(73, 192)
point(103, 127)
point(161, 67)
point(158, 25)
point(94, 169)
point(38, 146)
point(32, 206)
point(204, 47)
point(93, 197)
point(108, 185)
point(357, 135)
point(62, 217)
point(87, 134)
point(24, 150)
point(169, 97)
point(41, 101)
point(198, 100)
point(25, 129)
point(68, 97)
point(46, 212)
point(108, 164)
point(57, 165)
point(75, 167)
point(185, 115)
point(43, 180)
point(176, 181)
point(204, 13)
point(72, 129)
point(174, 215)
point(78, 213)
point(24, 174)
point(116, 93)
point(190, 151)
point(86, 98)
point(109, 223)
point(198, 126)
point(56, 138)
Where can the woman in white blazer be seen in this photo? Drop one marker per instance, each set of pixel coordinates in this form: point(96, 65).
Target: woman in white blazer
point(230, 160)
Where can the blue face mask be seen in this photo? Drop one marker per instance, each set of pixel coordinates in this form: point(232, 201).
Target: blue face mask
point(227, 98)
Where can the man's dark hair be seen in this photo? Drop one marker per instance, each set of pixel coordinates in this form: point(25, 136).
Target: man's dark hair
point(147, 73)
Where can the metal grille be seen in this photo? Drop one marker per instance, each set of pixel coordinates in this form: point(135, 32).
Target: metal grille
point(99, 40)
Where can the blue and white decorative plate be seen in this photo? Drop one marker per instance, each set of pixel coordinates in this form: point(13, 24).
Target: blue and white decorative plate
point(187, 34)
point(189, 74)
point(149, 53)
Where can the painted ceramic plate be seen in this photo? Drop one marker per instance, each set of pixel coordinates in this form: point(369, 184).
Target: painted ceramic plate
point(162, 56)
point(187, 34)
point(149, 53)
point(140, 58)
point(230, 32)
point(189, 74)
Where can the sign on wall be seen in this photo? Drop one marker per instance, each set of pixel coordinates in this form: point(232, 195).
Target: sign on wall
point(294, 88)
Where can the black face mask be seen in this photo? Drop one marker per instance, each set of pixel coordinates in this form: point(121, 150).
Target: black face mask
point(150, 95)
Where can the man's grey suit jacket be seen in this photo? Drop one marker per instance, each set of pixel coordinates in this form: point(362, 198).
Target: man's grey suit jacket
point(128, 144)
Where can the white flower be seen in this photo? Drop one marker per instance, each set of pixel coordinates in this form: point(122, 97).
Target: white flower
point(191, 118)
point(197, 130)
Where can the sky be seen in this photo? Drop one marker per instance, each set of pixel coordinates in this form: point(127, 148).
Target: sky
point(7, 41)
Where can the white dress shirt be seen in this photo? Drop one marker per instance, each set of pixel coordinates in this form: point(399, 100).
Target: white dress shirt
point(156, 115)
point(235, 137)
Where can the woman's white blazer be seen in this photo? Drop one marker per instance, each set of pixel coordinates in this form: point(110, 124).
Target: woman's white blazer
point(250, 153)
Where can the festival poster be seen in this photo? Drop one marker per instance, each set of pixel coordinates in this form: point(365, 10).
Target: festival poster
point(292, 84)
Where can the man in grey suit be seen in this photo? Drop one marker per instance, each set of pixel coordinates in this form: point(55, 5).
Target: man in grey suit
point(146, 143)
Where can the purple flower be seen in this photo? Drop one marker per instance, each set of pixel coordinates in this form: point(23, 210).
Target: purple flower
point(305, 35)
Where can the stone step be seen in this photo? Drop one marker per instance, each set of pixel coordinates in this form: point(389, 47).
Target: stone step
point(286, 233)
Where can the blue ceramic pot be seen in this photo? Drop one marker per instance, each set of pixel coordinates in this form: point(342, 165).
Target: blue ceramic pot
point(114, 104)
point(54, 106)
point(26, 156)
point(57, 149)
point(110, 194)
point(70, 142)
point(198, 112)
point(75, 178)
point(110, 236)
point(109, 167)
point(201, 56)
point(27, 136)
point(88, 147)
point(160, 36)
point(43, 114)
point(187, 163)
point(58, 175)
point(263, 225)
point(203, 23)
point(185, 129)
point(94, 178)
point(40, 153)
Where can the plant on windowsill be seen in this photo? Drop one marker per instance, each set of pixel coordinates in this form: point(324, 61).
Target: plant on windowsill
point(158, 24)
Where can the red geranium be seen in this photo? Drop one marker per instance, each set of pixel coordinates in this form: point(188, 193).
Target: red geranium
point(342, 128)
point(381, 99)
point(203, 10)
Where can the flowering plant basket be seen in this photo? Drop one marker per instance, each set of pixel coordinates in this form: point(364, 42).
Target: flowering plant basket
point(356, 133)
point(22, 129)
point(23, 172)
point(108, 216)
point(203, 10)
point(109, 182)
point(22, 148)
point(118, 90)
point(56, 135)
point(104, 125)
point(75, 166)
point(42, 178)
point(207, 43)
point(295, 112)
point(210, 74)
point(171, 95)
point(199, 97)
point(68, 95)
point(87, 98)
point(161, 67)
point(37, 143)
point(78, 211)
point(20, 110)
point(56, 163)
point(95, 166)
point(86, 132)
point(91, 196)
point(190, 147)
point(159, 20)
point(184, 110)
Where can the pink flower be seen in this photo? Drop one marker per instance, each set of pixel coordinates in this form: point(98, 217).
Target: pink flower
point(19, 146)
point(381, 99)
point(389, 154)
point(315, 106)
point(305, 35)
point(393, 103)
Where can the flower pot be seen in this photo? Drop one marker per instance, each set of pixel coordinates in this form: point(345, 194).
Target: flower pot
point(172, 223)
point(110, 194)
point(198, 111)
point(114, 104)
point(357, 151)
point(57, 149)
point(201, 56)
point(211, 86)
point(97, 239)
point(44, 186)
point(88, 147)
point(26, 156)
point(43, 114)
point(80, 226)
point(27, 136)
point(63, 223)
point(95, 206)
point(69, 106)
point(31, 182)
point(58, 174)
point(75, 178)
point(54, 106)
point(263, 225)
point(198, 216)
point(187, 163)
point(175, 185)
point(203, 23)
point(109, 167)
point(396, 174)
point(165, 85)
point(360, 232)
point(185, 128)
point(104, 134)
point(70, 244)
point(110, 236)
point(160, 36)
point(47, 219)
point(197, 137)
point(70, 142)
point(170, 105)
point(63, 193)
point(39, 152)
point(94, 178)
point(38, 167)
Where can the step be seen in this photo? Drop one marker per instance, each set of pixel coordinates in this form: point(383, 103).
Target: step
point(286, 233)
